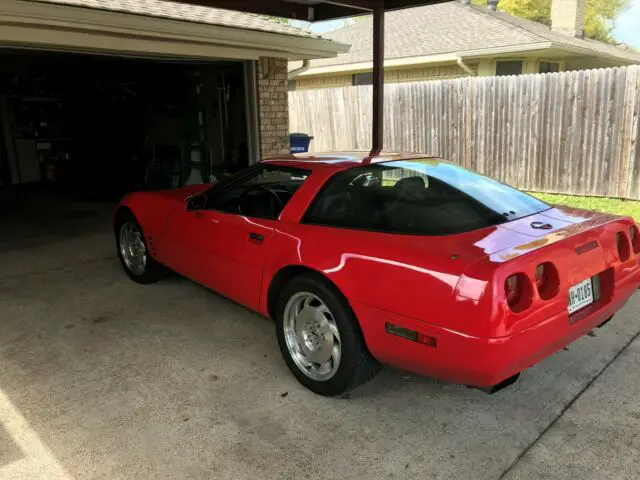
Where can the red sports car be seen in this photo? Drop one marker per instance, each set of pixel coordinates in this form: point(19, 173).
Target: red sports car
point(407, 260)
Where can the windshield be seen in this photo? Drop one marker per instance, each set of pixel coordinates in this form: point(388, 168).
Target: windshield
point(430, 197)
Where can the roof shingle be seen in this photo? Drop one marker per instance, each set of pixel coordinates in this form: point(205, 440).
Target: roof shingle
point(189, 13)
point(452, 28)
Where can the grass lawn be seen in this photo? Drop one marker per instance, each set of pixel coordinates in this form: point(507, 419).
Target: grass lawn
point(616, 206)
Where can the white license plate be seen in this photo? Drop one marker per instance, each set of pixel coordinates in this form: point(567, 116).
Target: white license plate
point(580, 296)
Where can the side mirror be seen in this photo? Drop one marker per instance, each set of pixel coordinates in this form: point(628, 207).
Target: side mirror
point(197, 202)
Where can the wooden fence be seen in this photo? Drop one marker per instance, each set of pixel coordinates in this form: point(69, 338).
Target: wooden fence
point(571, 132)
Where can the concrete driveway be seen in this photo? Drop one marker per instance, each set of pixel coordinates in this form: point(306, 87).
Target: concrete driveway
point(101, 378)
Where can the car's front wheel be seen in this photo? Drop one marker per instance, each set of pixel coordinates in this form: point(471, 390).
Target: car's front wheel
point(133, 252)
point(320, 339)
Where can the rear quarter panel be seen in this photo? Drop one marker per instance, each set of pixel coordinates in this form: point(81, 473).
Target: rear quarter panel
point(411, 276)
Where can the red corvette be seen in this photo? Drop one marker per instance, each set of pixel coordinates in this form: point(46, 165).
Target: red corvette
point(408, 261)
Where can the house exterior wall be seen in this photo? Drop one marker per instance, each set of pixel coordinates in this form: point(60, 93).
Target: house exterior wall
point(484, 67)
point(441, 72)
point(324, 81)
point(487, 68)
point(415, 74)
point(273, 111)
point(587, 63)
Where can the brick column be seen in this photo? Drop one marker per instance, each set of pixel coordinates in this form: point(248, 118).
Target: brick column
point(273, 106)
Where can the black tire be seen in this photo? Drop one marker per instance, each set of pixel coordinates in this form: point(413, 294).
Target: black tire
point(153, 271)
point(356, 365)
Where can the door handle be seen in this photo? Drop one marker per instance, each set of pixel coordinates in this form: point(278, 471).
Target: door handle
point(256, 237)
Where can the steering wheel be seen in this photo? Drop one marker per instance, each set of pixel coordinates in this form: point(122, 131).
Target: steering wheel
point(259, 188)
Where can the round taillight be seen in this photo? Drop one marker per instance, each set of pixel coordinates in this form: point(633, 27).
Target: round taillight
point(635, 239)
point(624, 249)
point(518, 292)
point(547, 281)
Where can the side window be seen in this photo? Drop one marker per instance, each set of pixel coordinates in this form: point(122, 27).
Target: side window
point(260, 192)
point(548, 67)
point(362, 79)
point(510, 67)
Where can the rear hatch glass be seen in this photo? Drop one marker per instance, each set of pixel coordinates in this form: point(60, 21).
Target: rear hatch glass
point(418, 197)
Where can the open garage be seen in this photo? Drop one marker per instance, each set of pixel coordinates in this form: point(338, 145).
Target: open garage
point(102, 126)
point(103, 378)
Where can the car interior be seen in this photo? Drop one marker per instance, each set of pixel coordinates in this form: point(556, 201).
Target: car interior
point(262, 196)
point(415, 204)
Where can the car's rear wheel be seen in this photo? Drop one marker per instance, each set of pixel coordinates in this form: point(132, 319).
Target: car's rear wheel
point(133, 252)
point(319, 337)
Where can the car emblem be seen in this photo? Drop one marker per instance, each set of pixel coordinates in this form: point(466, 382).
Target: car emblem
point(541, 226)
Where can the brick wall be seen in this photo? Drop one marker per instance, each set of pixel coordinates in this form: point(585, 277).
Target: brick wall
point(273, 106)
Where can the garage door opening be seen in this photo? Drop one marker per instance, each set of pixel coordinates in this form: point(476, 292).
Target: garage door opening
point(97, 127)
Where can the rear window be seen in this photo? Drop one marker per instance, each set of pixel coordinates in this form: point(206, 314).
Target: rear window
point(419, 197)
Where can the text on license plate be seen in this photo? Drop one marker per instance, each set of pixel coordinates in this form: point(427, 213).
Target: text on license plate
point(580, 296)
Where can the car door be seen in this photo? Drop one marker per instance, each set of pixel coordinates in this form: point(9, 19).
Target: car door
point(231, 259)
point(218, 245)
point(222, 251)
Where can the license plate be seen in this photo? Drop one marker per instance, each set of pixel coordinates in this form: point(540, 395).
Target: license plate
point(580, 296)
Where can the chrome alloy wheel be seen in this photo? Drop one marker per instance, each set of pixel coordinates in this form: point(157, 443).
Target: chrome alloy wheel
point(312, 336)
point(132, 248)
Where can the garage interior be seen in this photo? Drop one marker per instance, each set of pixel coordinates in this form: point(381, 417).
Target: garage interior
point(96, 127)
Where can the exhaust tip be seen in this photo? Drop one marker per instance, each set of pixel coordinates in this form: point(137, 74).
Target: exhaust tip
point(500, 386)
point(605, 322)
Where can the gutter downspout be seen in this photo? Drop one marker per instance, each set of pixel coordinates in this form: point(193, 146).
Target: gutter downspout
point(294, 73)
point(465, 67)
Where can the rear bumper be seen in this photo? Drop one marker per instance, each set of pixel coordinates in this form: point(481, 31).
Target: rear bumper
point(484, 362)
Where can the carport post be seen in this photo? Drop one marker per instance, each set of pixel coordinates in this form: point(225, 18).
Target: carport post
point(378, 79)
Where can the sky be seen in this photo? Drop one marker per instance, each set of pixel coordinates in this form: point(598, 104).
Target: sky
point(322, 27)
point(628, 25)
point(627, 28)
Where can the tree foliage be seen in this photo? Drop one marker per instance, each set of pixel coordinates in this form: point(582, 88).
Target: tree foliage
point(599, 18)
point(284, 21)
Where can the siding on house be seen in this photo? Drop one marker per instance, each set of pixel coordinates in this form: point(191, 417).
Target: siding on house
point(441, 72)
point(415, 74)
point(483, 68)
point(327, 81)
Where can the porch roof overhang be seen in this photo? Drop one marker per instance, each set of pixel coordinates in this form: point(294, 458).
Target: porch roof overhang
point(311, 10)
point(62, 26)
